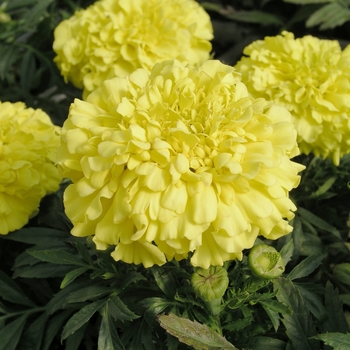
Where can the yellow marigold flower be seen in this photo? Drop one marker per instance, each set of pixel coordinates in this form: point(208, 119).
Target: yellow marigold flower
point(114, 37)
point(311, 78)
point(178, 161)
point(28, 146)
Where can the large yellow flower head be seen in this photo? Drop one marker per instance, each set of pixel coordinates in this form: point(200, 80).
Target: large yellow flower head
point(178, 161)
point(28, 146)
point(311, 78)
point(114, 37)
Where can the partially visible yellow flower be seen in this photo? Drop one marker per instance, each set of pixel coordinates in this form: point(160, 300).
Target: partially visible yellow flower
point(114, 37)
point(178, 161)
point(311, 78)
point(28, 146)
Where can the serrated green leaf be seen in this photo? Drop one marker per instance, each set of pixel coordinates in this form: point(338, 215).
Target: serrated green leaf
point(141, 333)
point(10, 291)
point(33, 335)
point(108, 338)
point(72, 275)
point(27, 70)
point(275, 306)
point(35, 13)
point(88, 292)
point(336, 321)
point(59, 257)
point(324, 188)
point(252, 16)
point(312, 301)
point(274, 318)
point(318, 222)
point(37, 235)
point(338, 341)
point(192, 333)
point(341, 272)
point(80, 318)
point(119, 311)
point(299, 325)
point(263, 343)
point(287, 251)
point(11, 333)
point(14, 4)
point(155, 305)
point(84, 252)
point(54, 325)
point(329, 16)
point(74, 340)
point(24, 259)
point(41, 270)
point(59, 300)
point(165, 281)
point(306, 266)
point(9, 54)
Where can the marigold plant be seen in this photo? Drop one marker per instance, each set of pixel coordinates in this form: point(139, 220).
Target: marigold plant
point(311, 78)
point(178, 161)
point(28, 145)
point(114, 37)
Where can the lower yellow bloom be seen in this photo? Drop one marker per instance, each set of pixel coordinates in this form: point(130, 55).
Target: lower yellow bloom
point(178, 161)
point(28, 145)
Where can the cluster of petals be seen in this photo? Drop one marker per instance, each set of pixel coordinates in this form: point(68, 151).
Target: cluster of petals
point(311, 78)
point(178, 163)
point(114, 37)
point(28, 146)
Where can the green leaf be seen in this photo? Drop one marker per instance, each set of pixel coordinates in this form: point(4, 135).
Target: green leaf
point(306, 266)
point(312, 301)
point(10, 291)
point(74, 340)
point(324, 188)
point(338, 341)
point(80, 318)
point(336, 321)
point(318, 222)
point(59, 300)
point(53, 327)
point(35, 14)
point(88, 292)
point(9, 54)
point(119, 311)
point(287, 251)
point(155, 306)
point(59, 257)
point(33, 335)
point(165, 281)
point(192, 333)
point(329, 16)
point(84, 252)
point(27, 70)
point(41, 270)
point(141, 333)
point(264, 343)
point(275, 306)
point(108, 338)
point(37, 235)
point(299, 326)
point(341, 272)
point(72, 275)
point(11, 333)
